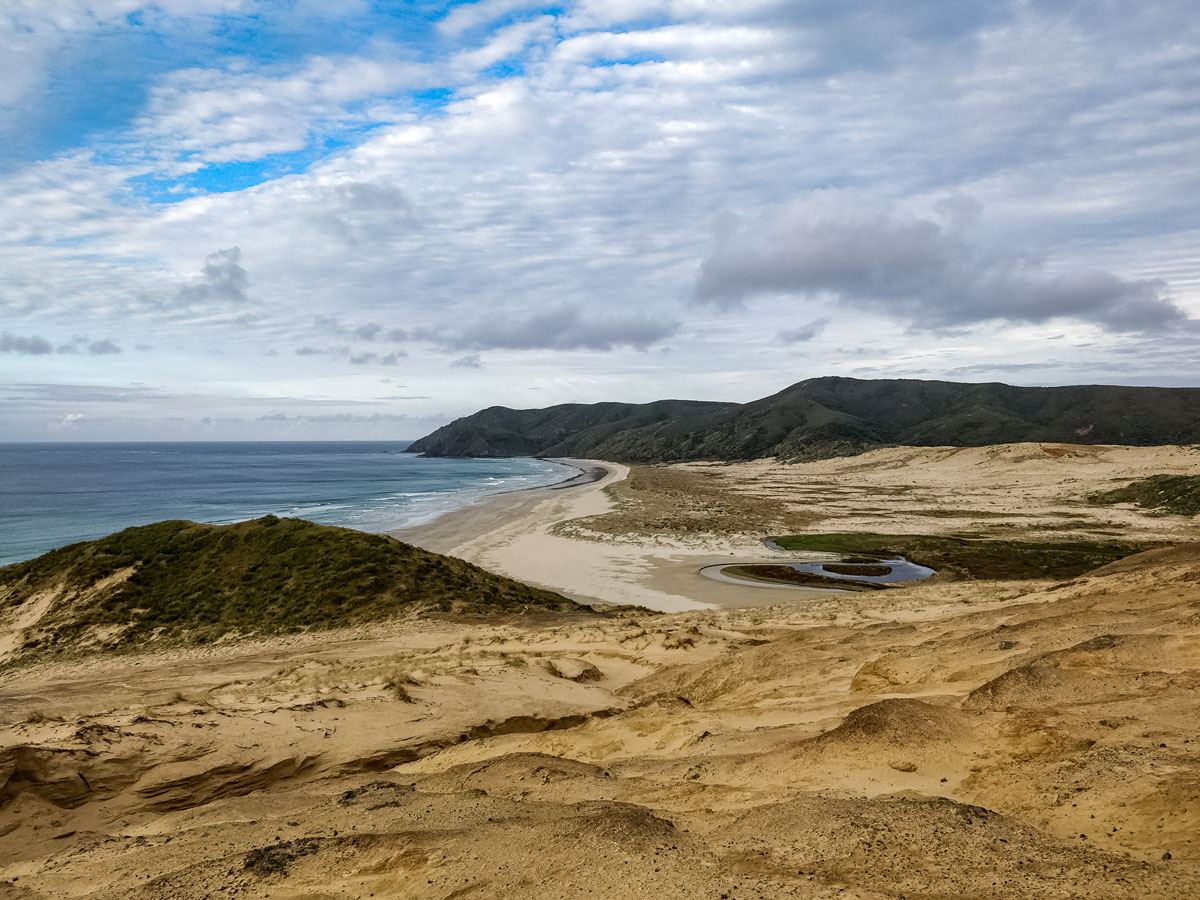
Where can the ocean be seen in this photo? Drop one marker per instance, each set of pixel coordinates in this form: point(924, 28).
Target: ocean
point(57, 494)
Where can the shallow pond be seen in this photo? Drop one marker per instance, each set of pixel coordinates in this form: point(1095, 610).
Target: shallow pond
point(902, 570)
point(899, 570)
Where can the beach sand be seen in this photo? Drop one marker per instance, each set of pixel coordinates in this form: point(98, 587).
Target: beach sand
point(1008, 492)
point(945, 739)
point(512, 533)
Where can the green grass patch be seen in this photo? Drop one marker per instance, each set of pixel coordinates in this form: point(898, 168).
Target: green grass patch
point(1178, 494)
point(657, 500)
point(972, 557)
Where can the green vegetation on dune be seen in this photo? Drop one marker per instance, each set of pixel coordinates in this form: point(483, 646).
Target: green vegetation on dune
point(656, 500)
point(970, 557)
point(181, 582)
point(1178, 494)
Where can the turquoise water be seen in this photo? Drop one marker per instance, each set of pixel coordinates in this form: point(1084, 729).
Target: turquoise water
point(56, 494)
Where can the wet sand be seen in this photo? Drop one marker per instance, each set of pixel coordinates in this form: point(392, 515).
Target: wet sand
point(462, 526)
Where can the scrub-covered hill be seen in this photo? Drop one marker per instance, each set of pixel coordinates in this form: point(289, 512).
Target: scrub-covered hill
point(185, 583)
point(826, 417)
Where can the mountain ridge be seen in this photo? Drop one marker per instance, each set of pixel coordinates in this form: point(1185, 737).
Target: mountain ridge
point(828, 416)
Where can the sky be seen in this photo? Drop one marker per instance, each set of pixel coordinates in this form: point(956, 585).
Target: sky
point(345, 219)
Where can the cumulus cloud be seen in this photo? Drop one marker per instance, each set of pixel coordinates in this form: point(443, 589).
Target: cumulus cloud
point(67, 423)
point(472, 15)
point(804, 332)
point(380, 359)
point(470, 361)
point(563, 328)
point(79, 345)
point(354, 357)
point(102, 348)
point(26, 346)
point(221, 278)
point(368, 331)
point(216, 114)
point(919, 270)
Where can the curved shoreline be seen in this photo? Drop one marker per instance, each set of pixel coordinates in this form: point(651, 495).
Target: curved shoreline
point(512, 534)
point(458, 527)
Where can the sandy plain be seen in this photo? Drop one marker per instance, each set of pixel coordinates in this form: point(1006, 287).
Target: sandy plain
point(946, 739)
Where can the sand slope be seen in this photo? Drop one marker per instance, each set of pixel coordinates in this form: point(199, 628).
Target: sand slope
point(950, 740)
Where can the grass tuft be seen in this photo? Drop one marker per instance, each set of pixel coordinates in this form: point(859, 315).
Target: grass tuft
point(1178, 494)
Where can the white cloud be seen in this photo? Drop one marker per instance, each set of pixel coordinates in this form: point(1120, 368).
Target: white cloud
point(504, 43)
point(223, 115)
point(468, 16)
point(921, 271)
point(555, 219)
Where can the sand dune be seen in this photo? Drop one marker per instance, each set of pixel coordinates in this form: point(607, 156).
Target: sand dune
point(945, 739)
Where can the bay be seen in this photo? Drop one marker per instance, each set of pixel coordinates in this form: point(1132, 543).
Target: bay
point(57, 494)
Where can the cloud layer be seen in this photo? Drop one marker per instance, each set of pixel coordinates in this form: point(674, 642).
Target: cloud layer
point(919, 271)
point(506, 201)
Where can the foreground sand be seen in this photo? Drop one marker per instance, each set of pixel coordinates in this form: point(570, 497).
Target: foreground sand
point(940, 741)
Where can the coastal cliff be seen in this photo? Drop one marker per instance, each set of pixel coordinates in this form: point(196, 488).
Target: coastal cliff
point(826, 417)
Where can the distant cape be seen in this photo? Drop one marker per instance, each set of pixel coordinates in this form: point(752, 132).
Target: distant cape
point(826, 417)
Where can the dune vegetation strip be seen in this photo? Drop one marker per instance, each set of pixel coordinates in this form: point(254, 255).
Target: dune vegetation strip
point(182, 582)
point(653, 501)
point(960, 556)
point(1178, 494)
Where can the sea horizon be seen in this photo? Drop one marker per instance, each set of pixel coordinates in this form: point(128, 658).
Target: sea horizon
point(55, 493)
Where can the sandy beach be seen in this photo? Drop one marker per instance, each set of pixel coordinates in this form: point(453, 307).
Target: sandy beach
point(512, 534)
point(1018, 491)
